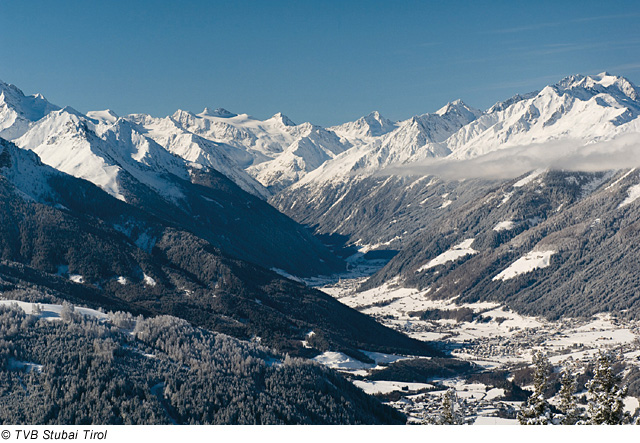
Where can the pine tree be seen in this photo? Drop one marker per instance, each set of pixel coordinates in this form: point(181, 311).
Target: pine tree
point(568, 405)
point(605, 403)
point(536, 410)
point(451, 416)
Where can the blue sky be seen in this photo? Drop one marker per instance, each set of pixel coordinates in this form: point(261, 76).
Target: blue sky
point(325, 62)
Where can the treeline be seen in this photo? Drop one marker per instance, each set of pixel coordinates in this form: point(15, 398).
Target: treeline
point(159, 371)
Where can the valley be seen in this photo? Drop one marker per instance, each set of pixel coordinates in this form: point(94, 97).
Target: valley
point(427, 260)
point(497, 341)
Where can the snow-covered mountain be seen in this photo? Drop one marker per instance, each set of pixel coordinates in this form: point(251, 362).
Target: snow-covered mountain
point(276, 152)
point(579, 112)
point(313, 147)
point(305, 165)
point(66, 140)
point(414, 139)
point(18, 112)
point(582, 108)
point(593, 118)
point(63, 238)
point(264, 157)
point(101, 146)
point(196, 150)
point(190, 183)
point(372, 125)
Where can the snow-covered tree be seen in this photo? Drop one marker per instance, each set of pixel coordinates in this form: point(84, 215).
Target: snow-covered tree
point(451, 409)
point(568, 405)
point(67, 312)
point(606, 397)
point(536, 410)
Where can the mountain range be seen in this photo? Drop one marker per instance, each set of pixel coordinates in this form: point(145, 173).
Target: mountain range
point(217, 217)
point(376, 183)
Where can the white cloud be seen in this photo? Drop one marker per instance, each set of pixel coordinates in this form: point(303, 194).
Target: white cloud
point(619, 153)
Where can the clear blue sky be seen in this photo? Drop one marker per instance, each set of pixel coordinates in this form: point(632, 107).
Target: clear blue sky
point(321, 61)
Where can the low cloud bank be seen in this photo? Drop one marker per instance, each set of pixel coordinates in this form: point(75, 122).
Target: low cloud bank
point(619, 153)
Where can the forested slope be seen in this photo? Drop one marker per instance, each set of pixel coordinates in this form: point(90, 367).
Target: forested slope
point(83, 370)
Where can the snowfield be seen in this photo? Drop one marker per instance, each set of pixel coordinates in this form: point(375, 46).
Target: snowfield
point(506, 225)
point(456, 252)
point(633, 195)
point(52, 312)
point(533, 260)
point(385, 387)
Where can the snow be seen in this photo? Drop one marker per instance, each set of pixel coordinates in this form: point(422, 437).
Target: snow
point(505, 198)
point(633, 193)
point(17, 365)
point(577, 109)
point(106, 117)
point(339, 360)
point(369, 126)
point(342, 362)
point(631, 404)
point(483, 420)
point(393, 305)
point(182, 135)
point(18, 112)
point(51, 311)
point(285, 274)
point(506, 225)
point(625, 175)
point(418, 138)
point(385, 387)
point(122, 280)
point(497, 338)
point(148, 280)
point(460, 250)
point(494, 393)
point(76, 278)
point(28, 174)
point(61, 141)
point(528, 179)
point(381, 358)
point(600, 332)
point(531, 261)
point(101, 146)
point(366, 248)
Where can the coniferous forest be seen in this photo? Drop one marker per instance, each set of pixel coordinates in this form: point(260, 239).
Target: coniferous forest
point(162, 370)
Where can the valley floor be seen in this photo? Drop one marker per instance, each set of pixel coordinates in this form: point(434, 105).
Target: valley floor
point(499, 341)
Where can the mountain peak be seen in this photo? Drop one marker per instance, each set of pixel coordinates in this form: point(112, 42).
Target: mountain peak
point(451, 107)
point(218, 112)
point(599, 83)
point(70, 110)
point(376, 124)
point(282, 119)
point(20, 111)
point(105, 117)
point(501, 106)
point(9, 87)
point(460, 109)
point(375, 116)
